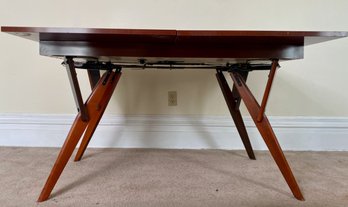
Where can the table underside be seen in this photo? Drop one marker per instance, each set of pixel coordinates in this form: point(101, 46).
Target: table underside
point(165, 63)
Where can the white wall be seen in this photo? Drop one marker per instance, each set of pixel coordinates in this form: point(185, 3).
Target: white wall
point(315, 86)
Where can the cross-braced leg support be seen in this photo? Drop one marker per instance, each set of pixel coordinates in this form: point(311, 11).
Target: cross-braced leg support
point(263, 125)
point(95, 106)
point(233, 101)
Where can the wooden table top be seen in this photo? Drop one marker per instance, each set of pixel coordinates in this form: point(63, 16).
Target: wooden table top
point(189, 46)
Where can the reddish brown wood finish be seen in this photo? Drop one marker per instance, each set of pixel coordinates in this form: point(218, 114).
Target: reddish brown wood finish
point(267, 134)
point(268, 89)
point(173, 52)
point(174, 45)
point(91, 34)
point(188, 46)
point(75, 134)
point(70, 143)
point(94, 121)
point(169, 35)
point(235, 113)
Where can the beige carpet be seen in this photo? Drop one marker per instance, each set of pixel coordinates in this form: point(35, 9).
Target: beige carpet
point(153, 177)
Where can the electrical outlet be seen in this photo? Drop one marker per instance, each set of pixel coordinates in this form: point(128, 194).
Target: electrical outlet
point(172, 98)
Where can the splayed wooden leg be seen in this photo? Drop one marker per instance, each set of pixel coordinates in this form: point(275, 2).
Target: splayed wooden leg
point(72, 139)
point(267, 133)
point(95, 118)
point(235, 113)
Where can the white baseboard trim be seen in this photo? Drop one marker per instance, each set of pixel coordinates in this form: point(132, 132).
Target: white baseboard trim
point(172, 131)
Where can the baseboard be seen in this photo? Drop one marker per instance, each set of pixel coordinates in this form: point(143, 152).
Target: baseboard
point(189, 132)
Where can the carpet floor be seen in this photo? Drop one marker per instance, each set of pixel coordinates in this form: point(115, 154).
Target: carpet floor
point(159, 177)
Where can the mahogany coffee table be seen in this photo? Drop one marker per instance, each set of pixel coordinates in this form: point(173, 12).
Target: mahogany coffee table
point(111, 50)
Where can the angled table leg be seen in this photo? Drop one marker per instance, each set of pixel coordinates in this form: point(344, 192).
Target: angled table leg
point(267, 133)
point(94, 120)
point(231, 101)
point(74, 135)
point(70, 68)
point(93, 76)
